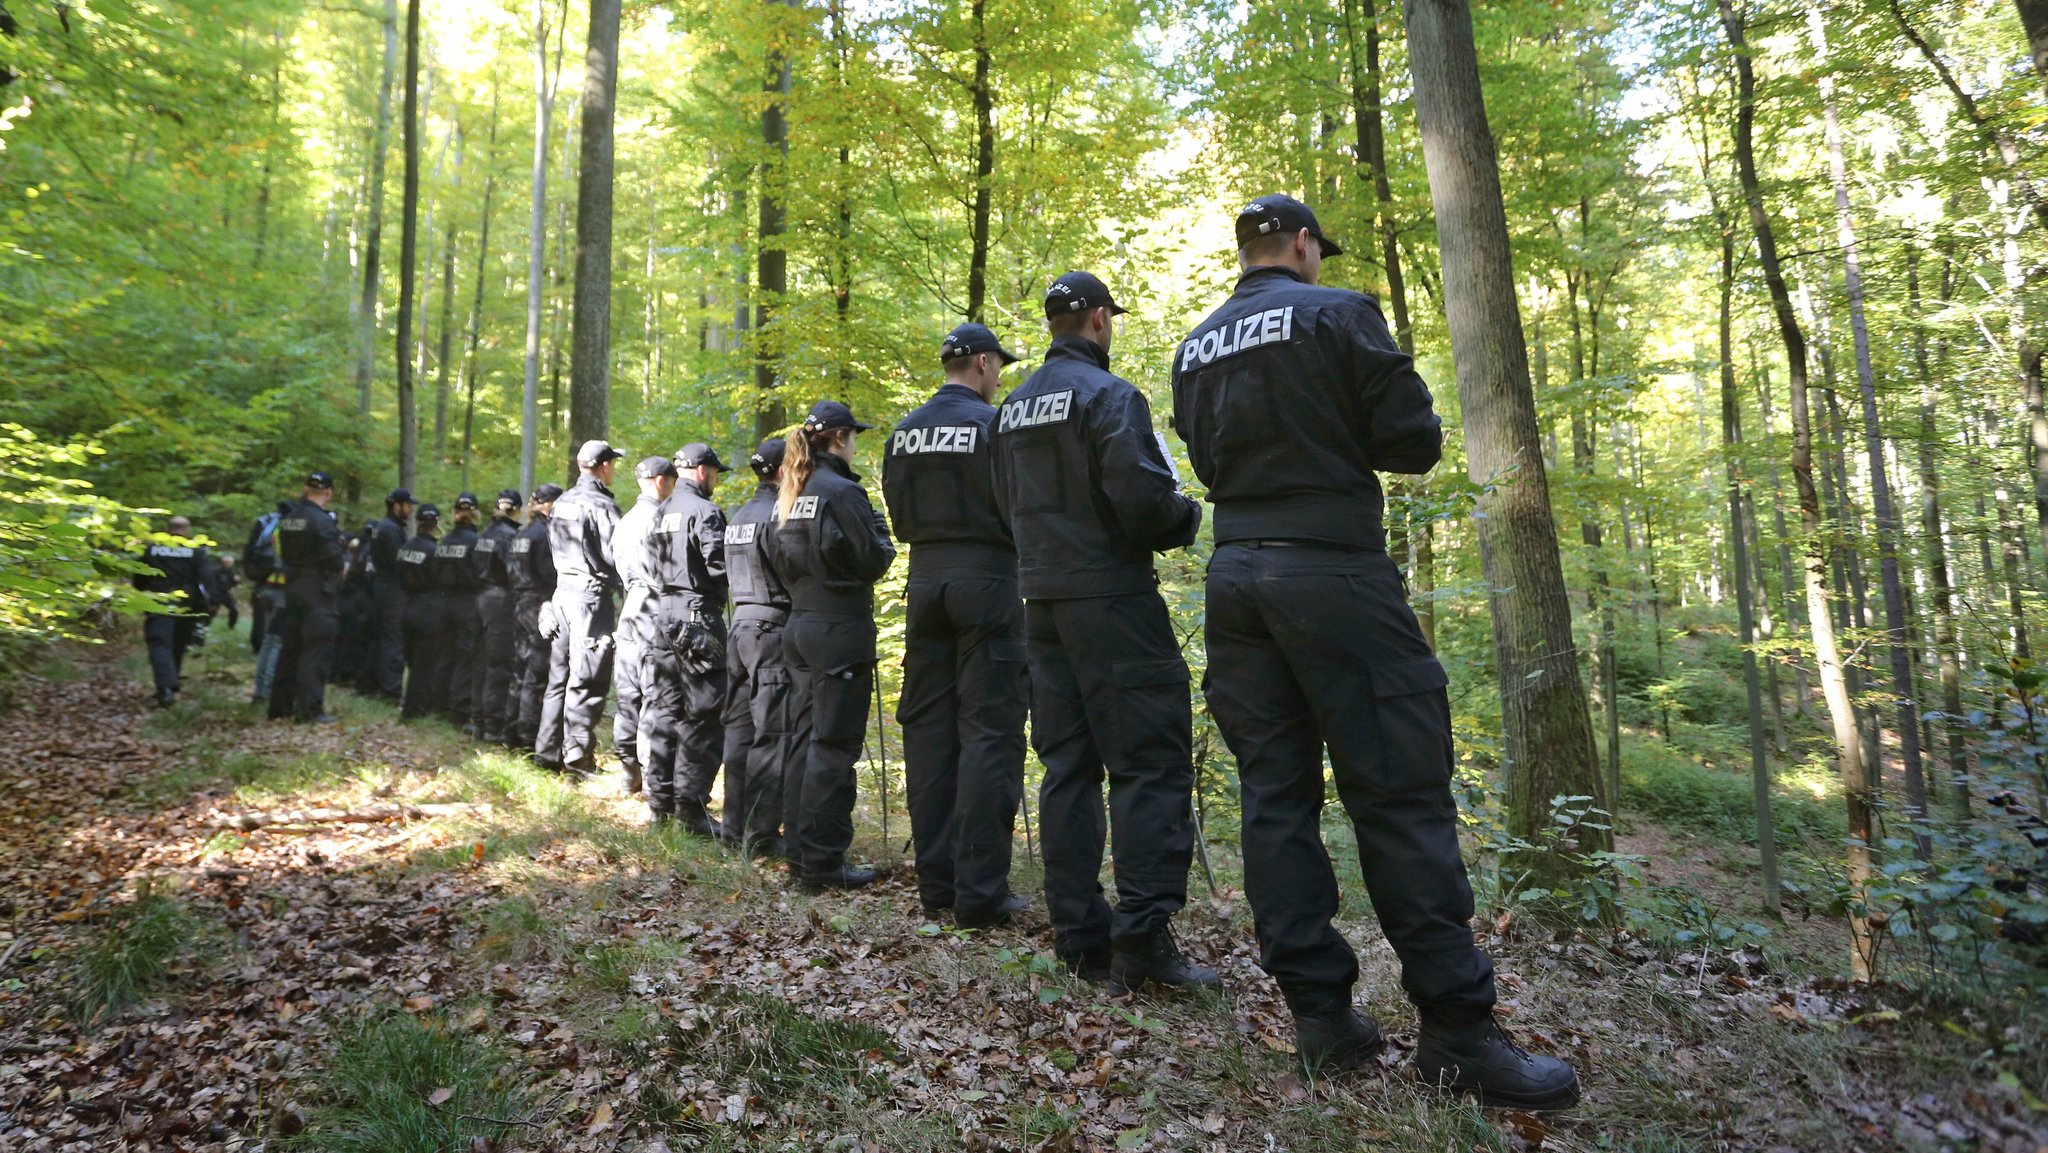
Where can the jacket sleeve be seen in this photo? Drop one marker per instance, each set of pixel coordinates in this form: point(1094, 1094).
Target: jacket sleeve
point(1141, 490)
point(333, 550)
point(868, 550)
point(603, 524)
point(1403, 432)
point(711, 544)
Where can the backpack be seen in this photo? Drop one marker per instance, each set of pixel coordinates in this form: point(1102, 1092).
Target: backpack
point(259, 560)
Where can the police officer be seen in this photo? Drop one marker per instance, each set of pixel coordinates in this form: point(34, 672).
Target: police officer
point(178, 570)
point(310, 546)
point(266, 601)
point(384, 673)
point(1289, 397)
point(424, 675)
point(760, 734)
point(684, 682)
point(656, 477)
point(456, 586)
point(532, 569)
point(580, 653)
point(1089, 495)
point(355, 643)
point(831, 546)
point(964, 688)
point(497, 626)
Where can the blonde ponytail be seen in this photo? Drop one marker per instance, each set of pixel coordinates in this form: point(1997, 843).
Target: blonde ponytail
point(798, 463)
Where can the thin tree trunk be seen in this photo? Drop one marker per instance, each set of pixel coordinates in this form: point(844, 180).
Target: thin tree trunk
point(984, 165)
point(408, 251)
point(470, 367)
point(269, 145)
point(1548, 733)
point(590, 339)
point(442, 355)
point(545, 85)
point(1935, 544)
point(772, 261)
point(373, 232)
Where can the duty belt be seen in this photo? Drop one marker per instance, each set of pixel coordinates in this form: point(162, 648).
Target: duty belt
point(772, 613)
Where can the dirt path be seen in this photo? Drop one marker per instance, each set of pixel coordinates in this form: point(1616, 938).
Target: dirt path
point(617, 990)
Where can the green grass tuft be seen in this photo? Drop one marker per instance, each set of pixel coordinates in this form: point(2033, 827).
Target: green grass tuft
point(382, 1079)
point(131, 958)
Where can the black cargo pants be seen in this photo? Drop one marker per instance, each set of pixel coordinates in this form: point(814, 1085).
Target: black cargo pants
point(965, 696)
point(680, 733)
point(1312, 647)
point(384, 672)
point(167, 636)
point(459, 637)
point(309, 627)
point(630, 655)
point(1109, 700)
point(760, 723)
point(494, 662)
point(832, 663)
point(530, 668)
point(426, 673)
point(579, 674)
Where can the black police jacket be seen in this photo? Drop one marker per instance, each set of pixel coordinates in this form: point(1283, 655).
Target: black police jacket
point(1082, 481)
point(416, 565)
point(454, 570)
point(629, 543)
point(938, 477)
point(833, 546)
point(686, 547)
point(1289, 396)
point(580, 535)
point(386, 539)
point(757, 589)
point(528, 558)
point(490, 552)
point(180, 570)
point(310, 545)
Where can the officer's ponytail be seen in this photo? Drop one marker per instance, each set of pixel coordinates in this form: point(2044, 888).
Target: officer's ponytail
point(799, 460)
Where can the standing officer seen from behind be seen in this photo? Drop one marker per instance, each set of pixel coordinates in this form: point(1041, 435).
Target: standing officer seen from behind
point(1089, 496)
point(831, 546)
point(656, 477)
point(580, 655)
point(384, 674)
point(533, 584)
point(178, 571)
point(424, 676)
point(684, 682)
point(760, 736)
point(309, 545)
point(497, 626)
point(1290, 396)
point(455, 575)
point(965, 690)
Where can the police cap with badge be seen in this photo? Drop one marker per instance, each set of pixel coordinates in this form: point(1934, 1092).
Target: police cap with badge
point(972, 339)
point(1281, 214)
point(768, 457)
point(699, 455)
point(830, 415)
point(1078, 292)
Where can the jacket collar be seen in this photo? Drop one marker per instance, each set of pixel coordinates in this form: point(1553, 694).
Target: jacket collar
point(959, 392)
point(1071, 347)
point(1267, 272)
point(692, 487)
point(838, 464)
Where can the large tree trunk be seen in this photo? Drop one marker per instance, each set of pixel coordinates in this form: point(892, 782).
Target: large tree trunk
point(1548, 733)
point(2034, 18)
point(984, 166)
point(544, 87)
point(470, 367)
point(772, 262)
point(373, 232)
point(590, 339)
point(408, 251)
point(1848, 742)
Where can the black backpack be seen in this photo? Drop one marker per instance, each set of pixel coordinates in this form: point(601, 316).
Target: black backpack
point(259, 560)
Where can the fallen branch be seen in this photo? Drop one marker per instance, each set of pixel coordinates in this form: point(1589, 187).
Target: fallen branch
point(367, 815)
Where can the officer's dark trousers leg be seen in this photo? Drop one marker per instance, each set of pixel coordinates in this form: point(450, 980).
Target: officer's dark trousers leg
point(587, 616)
point(495, 663)
point(1109, 692)
point(291, 631)
point(736, 722)
point(554, 697)
point(160, 634)
point(422, 657)
point(700, 736)
point(630, 667)
point(833, 661)
point(1313, 646)
point(390, 661)
point(531, 678)
point(461, 634)
point(962, 712)
point(260, 615)
point(661, 681)
point(319, 628)
point(777, 747)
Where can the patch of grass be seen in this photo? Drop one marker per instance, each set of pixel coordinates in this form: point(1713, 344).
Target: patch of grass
point(384, 1076)
point(514, 930)
point(131, 957)
point(1675, 790)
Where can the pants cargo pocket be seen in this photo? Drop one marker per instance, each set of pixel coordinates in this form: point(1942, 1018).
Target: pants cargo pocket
point(1148, 709)
point(1414, 713)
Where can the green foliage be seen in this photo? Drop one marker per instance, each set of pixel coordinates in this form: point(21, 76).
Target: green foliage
point(396, 1083)
point(1549, 875)
point(65, 550)
point(1666, 786)
point(131, 956)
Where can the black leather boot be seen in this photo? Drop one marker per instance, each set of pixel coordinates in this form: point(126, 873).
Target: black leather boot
point(1479, 1059)
point(695, 821)
point(1091, 966)
point(1158, 959)
point(843, 877)
point(1335, 1041)
point(995, 918)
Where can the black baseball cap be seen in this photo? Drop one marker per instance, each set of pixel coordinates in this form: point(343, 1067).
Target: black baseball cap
point(426, 512)
point(827, 415)
point(466, 500)
point(695, 454)
point(1280, 213)
point(973, 339)
point(654, 466)
point(768, 457)
point(1077, 292)
point(596, 452)
point(318, 479)
point(508, 497)
point(398, 496)
point(547, 494)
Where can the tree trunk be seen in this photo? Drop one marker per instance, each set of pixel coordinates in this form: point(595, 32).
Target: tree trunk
point(984, 166)
point(1934, 544)
point(590, 339)
point(2034, 18)
point(408, 251)
point(470, 368)
point(373, 232)
point(772, 262)
point(276, 101)
point(842, 256)
point(1848, 751)
point(1548, 733)
point(443, 354)
point(544, 86)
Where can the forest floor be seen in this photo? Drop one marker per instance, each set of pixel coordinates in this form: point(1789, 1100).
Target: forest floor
point(199, 955)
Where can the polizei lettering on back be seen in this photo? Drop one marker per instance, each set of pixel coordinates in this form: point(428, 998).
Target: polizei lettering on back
point(1032, 411)
point(948, 438)
point(805, 508)
point(1273, 326)
point(740, 533)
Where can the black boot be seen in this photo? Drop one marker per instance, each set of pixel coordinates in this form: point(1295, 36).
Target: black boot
point(695, 820)
point(843, 877)
point(632, 768)
point(1155, 958)
point(1009, 908)
point(1335, 1041)
point(765, 848)
point(1091, 965)
point(1479, 1059)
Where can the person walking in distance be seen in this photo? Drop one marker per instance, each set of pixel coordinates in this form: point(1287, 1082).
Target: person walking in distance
point(831, 545)
point(424, 677)
point(532, 568)
point(497, 623)
point(580, 656)
point(656, 477)
point(1089, 495)
point(178, 570)
point(1290, 397)
point(310, 546)
point(965, 689)
point(760, 737)
point(684, 663)
point(384, 673)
